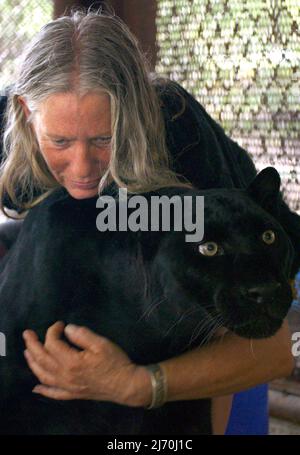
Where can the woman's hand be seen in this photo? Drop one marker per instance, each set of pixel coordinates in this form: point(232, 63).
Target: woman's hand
point(102, 371)
point(99, 371)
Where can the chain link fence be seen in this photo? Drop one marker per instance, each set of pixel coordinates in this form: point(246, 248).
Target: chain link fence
point(241, 60)
point(19, 21)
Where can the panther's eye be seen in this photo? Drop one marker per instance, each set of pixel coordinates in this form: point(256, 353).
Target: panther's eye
point(269, 237)
point(209, 248)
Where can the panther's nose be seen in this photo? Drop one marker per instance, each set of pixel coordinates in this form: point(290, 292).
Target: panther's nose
point(260, 294)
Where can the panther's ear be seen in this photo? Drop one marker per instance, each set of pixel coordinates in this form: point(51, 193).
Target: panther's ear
point(264, 189)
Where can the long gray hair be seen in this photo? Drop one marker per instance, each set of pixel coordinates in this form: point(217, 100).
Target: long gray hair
point(80, 53)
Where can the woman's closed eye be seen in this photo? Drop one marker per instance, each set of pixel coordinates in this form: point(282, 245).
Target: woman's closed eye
point(97, 142)
point(101, 141)
point(60, 143)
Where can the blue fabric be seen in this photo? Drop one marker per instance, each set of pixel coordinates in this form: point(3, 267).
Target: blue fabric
point(296, 302)
point(249, 414)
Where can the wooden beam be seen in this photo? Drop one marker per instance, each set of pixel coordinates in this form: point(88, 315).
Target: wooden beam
point(63, 7)
point(139, 15)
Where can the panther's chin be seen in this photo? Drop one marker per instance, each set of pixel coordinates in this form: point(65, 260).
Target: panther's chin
point(262, 327)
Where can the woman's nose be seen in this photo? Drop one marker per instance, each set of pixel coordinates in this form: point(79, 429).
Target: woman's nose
point(83, 165)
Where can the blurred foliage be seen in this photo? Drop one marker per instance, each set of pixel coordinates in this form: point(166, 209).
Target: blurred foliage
point(19, 21)
point(241, 60)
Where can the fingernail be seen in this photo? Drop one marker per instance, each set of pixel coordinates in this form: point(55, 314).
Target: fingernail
point(70, 328)
point(35, 390)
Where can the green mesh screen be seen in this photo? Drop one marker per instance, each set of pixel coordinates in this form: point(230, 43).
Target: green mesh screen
point(241, 60)
point(19, 21)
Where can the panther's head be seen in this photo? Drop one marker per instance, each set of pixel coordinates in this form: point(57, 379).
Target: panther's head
point(239, 272)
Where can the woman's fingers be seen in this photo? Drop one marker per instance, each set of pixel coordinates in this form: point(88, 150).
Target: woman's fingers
point(59, 349)
point(55, 393)
point(30, 334)
point(55, 331)
point(54, 357)
point(53, 380)
point(101, 370)
point(38, 352)
point(84, 338)
point(43, 375)
point(56, 363)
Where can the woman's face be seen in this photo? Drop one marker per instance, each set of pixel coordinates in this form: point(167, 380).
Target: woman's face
point(74, 136)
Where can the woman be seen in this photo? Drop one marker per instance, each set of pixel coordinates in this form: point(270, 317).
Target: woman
point(83, 112)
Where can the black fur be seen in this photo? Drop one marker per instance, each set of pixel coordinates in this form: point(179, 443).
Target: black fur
point(150, 292)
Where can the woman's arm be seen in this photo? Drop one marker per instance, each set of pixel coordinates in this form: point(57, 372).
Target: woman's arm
point(228, 365)
point(102, 371)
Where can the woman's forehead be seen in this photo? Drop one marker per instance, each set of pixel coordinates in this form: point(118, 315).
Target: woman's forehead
point(95, 102)
point(67, 111)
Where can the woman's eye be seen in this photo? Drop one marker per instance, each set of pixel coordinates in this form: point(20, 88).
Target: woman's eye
point(102, 141)
point(210, 249)
point(60, 142)
point(269, 237)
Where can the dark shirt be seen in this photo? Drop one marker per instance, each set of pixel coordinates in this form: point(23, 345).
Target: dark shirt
point(202, 152)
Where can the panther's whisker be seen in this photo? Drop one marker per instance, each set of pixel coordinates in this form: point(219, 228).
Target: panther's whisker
point(188, 312)
point(151, 308)
point(204, 325)
point(200, 327)
point(219, 322)
point(211, 333)
point(208, 321)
